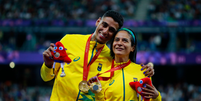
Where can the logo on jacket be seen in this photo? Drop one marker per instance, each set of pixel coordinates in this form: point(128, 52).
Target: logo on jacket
point(135, 79)
point(99, 67)
point(111, 82)
point(76, 59)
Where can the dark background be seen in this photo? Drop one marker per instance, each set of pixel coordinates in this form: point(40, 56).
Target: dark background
point(161, 26)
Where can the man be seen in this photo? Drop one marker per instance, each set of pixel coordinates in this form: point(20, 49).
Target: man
point(89, 55)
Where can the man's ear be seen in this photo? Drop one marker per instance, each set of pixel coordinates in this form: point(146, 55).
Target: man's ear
point(98, 21)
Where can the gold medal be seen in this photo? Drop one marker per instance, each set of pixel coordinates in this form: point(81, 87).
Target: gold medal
point(96, 87)
point(83, 86)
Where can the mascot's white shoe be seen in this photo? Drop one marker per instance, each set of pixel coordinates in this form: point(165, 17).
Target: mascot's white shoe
point(63, 74)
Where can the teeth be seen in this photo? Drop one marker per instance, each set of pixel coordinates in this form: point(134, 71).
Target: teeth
point(119, 48)
point(102, 35)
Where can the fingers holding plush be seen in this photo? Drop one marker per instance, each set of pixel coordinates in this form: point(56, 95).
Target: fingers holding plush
point(47, 56)
point(47, 53)
point(150, 92)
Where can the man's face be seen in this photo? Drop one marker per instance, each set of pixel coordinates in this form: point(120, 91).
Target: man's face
point(105, 29)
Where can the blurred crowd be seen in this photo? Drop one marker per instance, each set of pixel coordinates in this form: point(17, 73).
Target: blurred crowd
point(168, 10)
point(32, 41)
point(51, 9)
point(63, 9)
point(92, 9)
point(16, 92)
point(21, 41)
point(180, 92)
point(172, 10)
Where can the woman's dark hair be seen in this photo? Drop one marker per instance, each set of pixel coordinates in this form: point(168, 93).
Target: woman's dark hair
point(132, 55)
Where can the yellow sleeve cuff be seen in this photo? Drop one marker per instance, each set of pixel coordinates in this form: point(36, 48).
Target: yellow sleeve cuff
point(46, 69)
point(46, 73)
point(159, 98)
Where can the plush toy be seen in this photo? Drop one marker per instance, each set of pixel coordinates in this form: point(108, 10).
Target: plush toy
point(138, 85)
point(59, 55)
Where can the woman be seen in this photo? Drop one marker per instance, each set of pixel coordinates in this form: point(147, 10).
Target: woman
point(123, 50)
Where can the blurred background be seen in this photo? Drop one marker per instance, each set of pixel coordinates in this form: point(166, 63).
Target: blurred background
point(168, 33)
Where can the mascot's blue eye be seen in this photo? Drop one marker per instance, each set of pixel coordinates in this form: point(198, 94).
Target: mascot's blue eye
point(55, 48)
point(61, 48)
point(141, 81)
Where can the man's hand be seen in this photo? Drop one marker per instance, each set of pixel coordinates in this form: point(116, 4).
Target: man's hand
point(47, 56)
point(149, 69)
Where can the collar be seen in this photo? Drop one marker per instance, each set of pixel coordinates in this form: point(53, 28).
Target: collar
point(116, 64)
point(98, 44)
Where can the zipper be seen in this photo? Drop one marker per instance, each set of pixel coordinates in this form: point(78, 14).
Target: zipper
point(123, 84)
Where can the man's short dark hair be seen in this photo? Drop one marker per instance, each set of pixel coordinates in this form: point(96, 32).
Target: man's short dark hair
point(116, 16)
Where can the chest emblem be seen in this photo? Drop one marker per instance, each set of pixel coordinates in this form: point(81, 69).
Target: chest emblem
point(99, 68)
point(135, 79)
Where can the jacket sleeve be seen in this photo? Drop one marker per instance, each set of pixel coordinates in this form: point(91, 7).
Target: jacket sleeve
point(46, 73)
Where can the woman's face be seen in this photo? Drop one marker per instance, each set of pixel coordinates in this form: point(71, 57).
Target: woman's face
point(122, 44)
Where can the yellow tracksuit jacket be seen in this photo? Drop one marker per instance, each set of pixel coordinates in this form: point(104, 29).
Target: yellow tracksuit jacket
point(118, 88)
point(66, 88)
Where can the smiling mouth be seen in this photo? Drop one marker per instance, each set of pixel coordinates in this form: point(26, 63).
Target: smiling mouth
point(102, 36)
point(119, 49)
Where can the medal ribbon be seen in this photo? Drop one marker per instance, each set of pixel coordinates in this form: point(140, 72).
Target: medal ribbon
point(86, 65)
point(113, 69)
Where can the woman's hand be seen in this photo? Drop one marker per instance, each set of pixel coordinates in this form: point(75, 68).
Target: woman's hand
point(149, 69)
point(150, 92)
point(91, 80)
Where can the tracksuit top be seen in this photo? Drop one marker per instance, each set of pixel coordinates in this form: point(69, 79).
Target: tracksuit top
point(66, 88)
point(118, 88)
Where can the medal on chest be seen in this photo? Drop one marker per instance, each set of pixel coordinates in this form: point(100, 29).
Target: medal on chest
point(95, 85)
point(83, 86)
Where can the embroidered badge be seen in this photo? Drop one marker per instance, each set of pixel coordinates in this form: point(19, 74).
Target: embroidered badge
point(135, 79)
point(99, 67)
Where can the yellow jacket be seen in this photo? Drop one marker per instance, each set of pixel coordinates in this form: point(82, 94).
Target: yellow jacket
point(66, 88)
point(118, 88)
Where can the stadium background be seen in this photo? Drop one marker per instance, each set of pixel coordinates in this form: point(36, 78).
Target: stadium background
point(168, 33)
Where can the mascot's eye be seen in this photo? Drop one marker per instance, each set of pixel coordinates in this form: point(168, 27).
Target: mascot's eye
point(61, 48)
point(141, 81)
point(55, 48)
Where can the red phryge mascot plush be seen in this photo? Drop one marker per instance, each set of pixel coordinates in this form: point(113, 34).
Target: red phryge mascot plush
point(138, 85)
point(59, 55)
